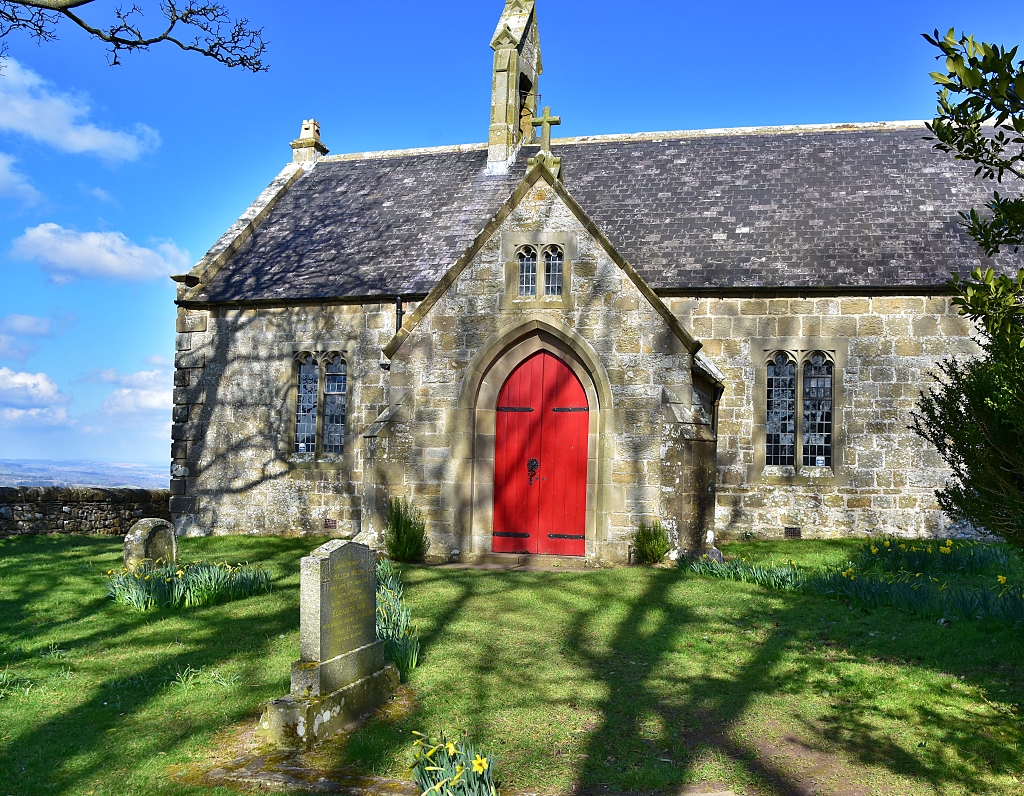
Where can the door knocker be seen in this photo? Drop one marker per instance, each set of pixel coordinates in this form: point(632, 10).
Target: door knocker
point(532, 467)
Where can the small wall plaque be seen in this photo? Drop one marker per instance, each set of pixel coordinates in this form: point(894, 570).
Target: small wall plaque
point(330, 525)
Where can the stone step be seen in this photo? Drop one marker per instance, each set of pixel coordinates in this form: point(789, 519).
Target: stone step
point(525, 561)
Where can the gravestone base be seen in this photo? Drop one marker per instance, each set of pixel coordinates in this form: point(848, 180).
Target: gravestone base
point(302, 721)
point(316, 678)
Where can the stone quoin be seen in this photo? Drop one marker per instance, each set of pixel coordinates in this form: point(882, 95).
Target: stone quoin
point(749, 316)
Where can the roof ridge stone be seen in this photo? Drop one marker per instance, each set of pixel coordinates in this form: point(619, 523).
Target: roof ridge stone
point(711, 132)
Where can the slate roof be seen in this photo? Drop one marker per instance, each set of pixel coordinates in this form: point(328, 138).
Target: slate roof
point(863, 207)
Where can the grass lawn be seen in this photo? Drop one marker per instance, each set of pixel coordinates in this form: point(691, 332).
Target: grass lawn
point(634, 679)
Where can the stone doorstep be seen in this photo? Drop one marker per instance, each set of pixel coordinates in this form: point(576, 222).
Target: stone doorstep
point(523, 561)
point(301, 721)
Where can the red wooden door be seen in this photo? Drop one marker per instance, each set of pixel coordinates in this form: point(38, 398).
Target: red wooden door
point(540, 460)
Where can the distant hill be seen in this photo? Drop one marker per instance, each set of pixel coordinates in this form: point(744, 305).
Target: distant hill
point(48, 472)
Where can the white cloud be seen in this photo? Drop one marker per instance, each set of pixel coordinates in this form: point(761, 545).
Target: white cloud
point(14, 185)
point(137, 393)
point(102, 195)
point(27, 325)
point(10, 348)
point(158, 360)
point(33, 107)
point(67, 254)
point(29, 392)
point(133, 402)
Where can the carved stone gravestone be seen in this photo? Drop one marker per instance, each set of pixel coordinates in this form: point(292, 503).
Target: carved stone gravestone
point(341, 674)
point(150, 540)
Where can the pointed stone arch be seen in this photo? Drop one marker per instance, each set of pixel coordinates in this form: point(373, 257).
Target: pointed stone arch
point(476, 417)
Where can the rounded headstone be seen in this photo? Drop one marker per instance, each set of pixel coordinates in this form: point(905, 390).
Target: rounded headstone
point(150, 540)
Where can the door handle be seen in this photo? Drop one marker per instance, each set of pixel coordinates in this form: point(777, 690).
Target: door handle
point(532, 467)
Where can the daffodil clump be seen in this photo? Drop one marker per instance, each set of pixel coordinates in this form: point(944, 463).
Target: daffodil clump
point(394, 621)
point(954, 579)
point(787, 576)
point(185, 585)
point(451, 768)
point(963, 558)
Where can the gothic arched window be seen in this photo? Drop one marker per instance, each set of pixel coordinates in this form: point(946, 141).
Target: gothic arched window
point(553, 260)
point(780, 431)
point(817, 411)
point(334, 406)
point(527, 271)
point(306, 403)
point(320, 405)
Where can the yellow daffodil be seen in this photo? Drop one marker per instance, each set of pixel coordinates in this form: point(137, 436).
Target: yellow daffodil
point(480, 764)
point(887, 543)
point(1001, 579)
point(874, 550)
point(450, 748)
point(903, 547)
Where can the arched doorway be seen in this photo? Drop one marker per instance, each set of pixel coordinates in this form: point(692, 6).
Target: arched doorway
point(540, 460)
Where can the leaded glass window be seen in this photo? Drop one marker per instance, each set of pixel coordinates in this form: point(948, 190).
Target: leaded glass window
point(817, 412)
point(334, 406)
point(553, 259)
point(305, 405)
point(527, 271)
point(780, 433)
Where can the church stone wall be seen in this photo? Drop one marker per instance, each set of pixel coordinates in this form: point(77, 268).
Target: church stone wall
point(233, 413)
point(427, 452)
point(886, 475)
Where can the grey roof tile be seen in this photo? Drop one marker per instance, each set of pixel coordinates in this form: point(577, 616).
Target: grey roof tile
point(816, 208)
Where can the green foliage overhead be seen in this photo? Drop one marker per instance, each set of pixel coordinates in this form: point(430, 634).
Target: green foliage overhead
point(983, 86)
point(405, 537)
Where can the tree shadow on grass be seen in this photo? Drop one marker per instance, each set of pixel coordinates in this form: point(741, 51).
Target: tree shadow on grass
point(656, 726)
point(130, 665)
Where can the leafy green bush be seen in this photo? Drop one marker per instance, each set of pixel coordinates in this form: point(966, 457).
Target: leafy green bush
point(394, 621)
point(650, 543)
point(405, 537)
point(451, 769)
point(185, 585)
point(974, 417)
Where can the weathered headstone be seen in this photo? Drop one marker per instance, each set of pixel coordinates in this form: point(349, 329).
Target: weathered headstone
point(341, 674)
point(716, 555)
point(152, 541)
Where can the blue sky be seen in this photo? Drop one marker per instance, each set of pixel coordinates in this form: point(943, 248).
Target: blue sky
point(113, 178)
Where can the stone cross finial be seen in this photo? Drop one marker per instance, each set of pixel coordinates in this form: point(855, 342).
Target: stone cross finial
point(545, 122)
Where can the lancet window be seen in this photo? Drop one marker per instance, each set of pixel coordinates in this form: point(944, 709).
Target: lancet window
point(805, 385)
point(553, 261)
point(320, 405)
point(527, 271)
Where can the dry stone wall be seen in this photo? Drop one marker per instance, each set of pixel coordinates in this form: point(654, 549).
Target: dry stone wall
point(78, 510)
point(885, 476)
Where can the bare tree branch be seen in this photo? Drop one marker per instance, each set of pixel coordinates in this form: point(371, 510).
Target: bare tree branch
point(194, 26)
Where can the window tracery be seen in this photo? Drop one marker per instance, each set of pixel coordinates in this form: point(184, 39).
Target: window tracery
point(527, 271)
point(320, 405)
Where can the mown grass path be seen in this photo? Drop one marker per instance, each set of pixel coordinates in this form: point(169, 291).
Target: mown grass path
point(630, 679)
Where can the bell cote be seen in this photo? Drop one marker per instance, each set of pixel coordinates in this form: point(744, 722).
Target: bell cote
point(514, 96)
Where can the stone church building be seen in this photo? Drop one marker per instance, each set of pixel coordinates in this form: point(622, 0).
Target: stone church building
point(544, 342)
